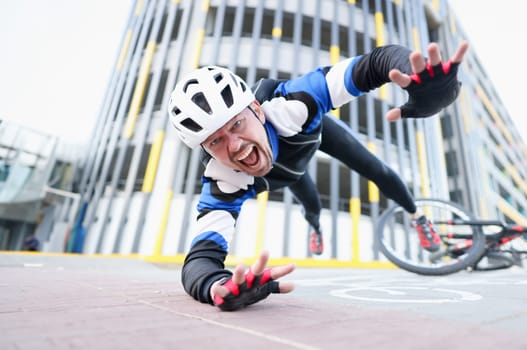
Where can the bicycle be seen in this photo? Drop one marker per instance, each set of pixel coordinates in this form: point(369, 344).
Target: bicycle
point(466, 242)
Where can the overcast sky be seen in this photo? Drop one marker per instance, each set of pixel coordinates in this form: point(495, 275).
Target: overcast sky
point(496, 31)
point(56, 60)
point(57, 56)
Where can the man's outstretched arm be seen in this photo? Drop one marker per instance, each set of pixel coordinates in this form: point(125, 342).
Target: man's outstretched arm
point(431, 83)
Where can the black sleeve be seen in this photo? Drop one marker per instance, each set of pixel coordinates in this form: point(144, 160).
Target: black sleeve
point(202, 267)
point(371, 70)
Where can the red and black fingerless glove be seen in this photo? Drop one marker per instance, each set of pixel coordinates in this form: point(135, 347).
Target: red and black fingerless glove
point(252, 290)
point(431, 90)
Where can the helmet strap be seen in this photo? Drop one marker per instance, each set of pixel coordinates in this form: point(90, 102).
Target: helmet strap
point(254, 113)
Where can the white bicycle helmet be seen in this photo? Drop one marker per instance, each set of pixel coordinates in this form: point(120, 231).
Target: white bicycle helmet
point(204, 100)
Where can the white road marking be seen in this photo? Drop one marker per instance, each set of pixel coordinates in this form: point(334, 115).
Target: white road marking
point(396, 294)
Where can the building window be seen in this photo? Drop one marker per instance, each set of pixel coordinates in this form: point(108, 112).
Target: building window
point(451, 164)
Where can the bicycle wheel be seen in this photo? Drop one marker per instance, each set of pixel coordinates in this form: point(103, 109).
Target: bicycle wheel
point(495, 260)
point(461, 247)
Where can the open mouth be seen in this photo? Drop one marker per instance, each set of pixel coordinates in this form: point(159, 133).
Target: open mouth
point(249, 157)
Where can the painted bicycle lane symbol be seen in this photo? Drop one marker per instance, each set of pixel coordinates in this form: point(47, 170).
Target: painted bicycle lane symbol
point(392, 291)
point(401, 294)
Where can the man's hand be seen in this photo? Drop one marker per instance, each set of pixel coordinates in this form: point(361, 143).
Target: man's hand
point(432, 86)
point(244, 289)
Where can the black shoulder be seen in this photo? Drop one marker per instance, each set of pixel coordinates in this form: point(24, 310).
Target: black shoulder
point(264, 89)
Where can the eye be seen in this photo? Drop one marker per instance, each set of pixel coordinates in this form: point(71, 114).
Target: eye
point(238, 123)
point(214, 142)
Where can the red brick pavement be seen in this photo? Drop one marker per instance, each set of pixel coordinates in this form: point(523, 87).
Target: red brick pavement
point(82, 303)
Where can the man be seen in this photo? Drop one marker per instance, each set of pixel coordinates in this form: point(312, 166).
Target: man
point(251, 147)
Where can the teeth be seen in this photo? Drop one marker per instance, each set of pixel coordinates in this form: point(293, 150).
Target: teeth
point(246, 153)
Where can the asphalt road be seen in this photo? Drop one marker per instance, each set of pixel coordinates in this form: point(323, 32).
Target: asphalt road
point(79, 302)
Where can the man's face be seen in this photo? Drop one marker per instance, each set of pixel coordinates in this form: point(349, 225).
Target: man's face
point(242, 143)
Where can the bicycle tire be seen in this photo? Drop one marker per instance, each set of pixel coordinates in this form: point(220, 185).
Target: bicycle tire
point(496, 260)
point(399, 243)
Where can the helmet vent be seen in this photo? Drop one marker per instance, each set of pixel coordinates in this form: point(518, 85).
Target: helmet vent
point(218, 77)
point(200, 100)
point(191, 125)
point(190, 82)
point(234, 80)
point(176, 111)
point(244, 87)
point(226, 93)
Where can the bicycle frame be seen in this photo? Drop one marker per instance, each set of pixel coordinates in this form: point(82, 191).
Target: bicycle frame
point(493, 241)
point(506, 234)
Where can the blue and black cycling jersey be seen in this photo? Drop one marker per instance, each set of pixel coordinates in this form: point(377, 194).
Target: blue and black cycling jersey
point(294, 111)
